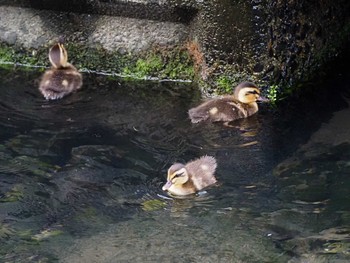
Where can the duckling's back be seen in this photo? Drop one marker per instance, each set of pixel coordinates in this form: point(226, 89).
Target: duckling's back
point(56, 83)
point(221, 109)
point(202, 171)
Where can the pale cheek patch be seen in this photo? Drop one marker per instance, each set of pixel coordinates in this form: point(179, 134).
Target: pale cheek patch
point(47, 82)
point(65, 83)
point(213, 111)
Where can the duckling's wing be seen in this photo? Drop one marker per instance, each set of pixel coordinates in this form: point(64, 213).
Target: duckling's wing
point(202, 171)
point(199, 113)
point(236, 109)
point(221, 109)
point(204, 111)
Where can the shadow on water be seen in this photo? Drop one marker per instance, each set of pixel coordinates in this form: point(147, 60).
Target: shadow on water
point(80, 179)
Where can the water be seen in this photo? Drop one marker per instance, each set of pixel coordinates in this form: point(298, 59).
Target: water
point(80, 178)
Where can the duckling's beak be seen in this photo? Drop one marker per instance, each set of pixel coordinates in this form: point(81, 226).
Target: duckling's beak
point(263, 99)
point(167, 185)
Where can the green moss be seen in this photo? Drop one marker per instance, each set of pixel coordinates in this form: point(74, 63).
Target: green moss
point(272, 94)
point(6, 231)
point(152, 205)
point(179, 71)
point(6, 54)
point(224, 84)
point(159, 63)
point(31, 57)
point(179, 66)
point(172, 64)
point(152, 64)
point(12, 196)
point(145, 67)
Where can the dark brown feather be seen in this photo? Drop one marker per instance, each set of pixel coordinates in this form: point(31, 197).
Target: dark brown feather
point(57, 83)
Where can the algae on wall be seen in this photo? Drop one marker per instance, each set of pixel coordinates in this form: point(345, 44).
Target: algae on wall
point(279, 44)
point(161, 64)
point(96, 42)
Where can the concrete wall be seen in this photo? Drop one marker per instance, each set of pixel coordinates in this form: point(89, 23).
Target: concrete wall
point(271, 42)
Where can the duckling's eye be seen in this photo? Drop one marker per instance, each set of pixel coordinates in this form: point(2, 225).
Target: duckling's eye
point(178, 175)
point(252, 92)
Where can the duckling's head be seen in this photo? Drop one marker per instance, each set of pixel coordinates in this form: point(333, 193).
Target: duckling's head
point(177, 176)
point(58, 56)
point(247, 92)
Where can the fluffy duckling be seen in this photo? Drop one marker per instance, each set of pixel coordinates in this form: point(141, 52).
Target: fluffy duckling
point(185, 179)
point(63, 78)
point(230, 107)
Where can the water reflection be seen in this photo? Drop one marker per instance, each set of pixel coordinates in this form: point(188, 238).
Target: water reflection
point(81, 180)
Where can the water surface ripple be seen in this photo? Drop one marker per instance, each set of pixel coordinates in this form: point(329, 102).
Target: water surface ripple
point(80, 178)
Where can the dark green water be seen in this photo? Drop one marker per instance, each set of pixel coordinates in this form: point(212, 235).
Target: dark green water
point(80, 178)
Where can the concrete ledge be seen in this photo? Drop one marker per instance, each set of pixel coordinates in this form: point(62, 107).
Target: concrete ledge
point(161, 10)
point(278, 44)
point(34, 28)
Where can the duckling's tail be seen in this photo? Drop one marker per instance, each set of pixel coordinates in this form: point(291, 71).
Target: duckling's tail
point(197, 116)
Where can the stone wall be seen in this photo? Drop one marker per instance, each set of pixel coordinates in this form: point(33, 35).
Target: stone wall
point(280, 43)
point(274, 43)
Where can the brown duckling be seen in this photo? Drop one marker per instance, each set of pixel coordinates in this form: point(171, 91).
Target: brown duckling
point(230, 107)
point(63, 78)
point(185, 179)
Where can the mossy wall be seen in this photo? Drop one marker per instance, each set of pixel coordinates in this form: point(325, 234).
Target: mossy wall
point(175, 64)
point(278, 44)
point(113, 45)
point(281, 44)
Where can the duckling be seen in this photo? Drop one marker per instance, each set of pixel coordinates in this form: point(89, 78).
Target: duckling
point(241, 104)
point(185, 179)
point(63, 78)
